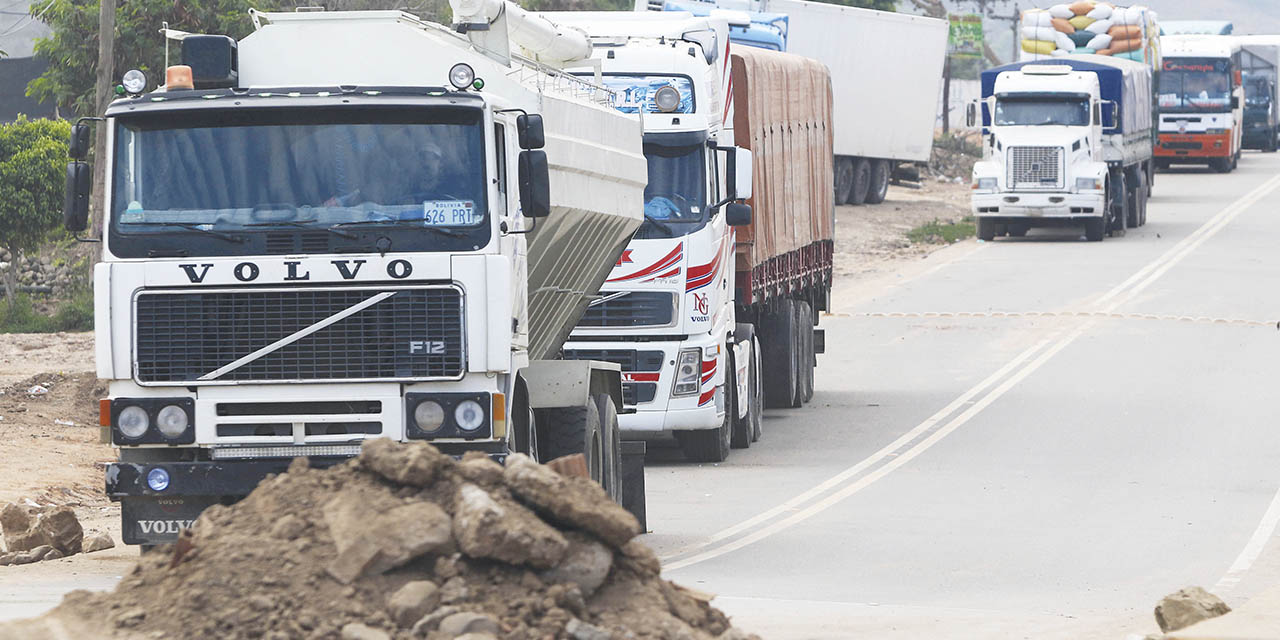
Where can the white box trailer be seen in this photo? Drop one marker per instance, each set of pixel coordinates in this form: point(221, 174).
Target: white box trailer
point(886, 76)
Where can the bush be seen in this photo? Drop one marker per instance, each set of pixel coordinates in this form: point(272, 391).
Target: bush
point(74, 314)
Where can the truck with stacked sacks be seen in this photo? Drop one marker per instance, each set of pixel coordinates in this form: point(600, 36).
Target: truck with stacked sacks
point(1202, 100)
point(898, 58)
point(1065, 142)
point(1087, 27)
point(711, 309)
point(353, 225)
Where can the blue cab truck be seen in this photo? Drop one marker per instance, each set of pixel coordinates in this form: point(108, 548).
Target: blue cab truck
point(1261, 64)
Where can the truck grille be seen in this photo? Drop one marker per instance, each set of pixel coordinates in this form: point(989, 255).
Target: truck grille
point(1035, 168)
point(631, 361)
point(415, 334)
point(633, 309)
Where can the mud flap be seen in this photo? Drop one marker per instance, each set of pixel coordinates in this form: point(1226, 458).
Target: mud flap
point(159, 520)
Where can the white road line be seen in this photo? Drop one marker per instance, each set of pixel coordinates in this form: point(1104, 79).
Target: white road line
point(1121, 294)
point(1266, 529)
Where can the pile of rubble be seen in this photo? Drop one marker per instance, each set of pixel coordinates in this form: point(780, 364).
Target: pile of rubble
point(34, 533)
point(404, 542)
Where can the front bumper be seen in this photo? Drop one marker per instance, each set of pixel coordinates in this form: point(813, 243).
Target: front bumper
point(699, 418)
point(1193, 146)
point(1038, 205)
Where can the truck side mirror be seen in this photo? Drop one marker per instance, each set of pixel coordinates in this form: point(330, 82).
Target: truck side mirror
point(535, 184)
point(78, 148)
point(971, 115)
point(75, 206)
point(1235, 102)
point(737, 214)
point(529, 129)
point(738, 174)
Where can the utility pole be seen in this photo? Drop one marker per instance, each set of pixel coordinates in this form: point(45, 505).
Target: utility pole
point(102, 94)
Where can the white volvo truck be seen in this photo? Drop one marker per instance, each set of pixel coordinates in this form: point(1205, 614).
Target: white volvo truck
point(344, 227)
point(680, 312)
point(1064, 143)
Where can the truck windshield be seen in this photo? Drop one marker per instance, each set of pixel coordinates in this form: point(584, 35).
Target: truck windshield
point(220, 182)
point(1257, 94)
point(1190, 85)
point(1041, 112)
point(675, 198)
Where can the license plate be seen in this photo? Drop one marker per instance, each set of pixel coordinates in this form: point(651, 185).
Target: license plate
point(159, 520)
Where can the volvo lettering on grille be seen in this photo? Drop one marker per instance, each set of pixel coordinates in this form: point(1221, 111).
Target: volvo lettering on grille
point(288, 335)
point(1035, 167)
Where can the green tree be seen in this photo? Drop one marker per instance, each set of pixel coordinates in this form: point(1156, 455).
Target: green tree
point(72, 46)
point(33, 164)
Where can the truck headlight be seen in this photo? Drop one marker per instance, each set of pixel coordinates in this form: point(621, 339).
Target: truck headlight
point(688, 372)
point(133, 422)
point(1090, 184)
point(428, 415)
point(172, 421)
point(469, 415)
point(985, 184)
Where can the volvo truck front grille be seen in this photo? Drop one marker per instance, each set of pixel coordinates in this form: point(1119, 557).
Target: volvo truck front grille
point(1032, 168)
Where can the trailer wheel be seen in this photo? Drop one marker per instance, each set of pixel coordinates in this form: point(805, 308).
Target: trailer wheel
point(843, 178)
point(778, 345)
point(745, 428)
point(880, 171)
point(804, 321)
point(986, 229)
point(861, 181)
point(712, 445)
point(1144, 194)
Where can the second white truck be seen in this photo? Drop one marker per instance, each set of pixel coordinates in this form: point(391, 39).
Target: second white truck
point(1064, 143)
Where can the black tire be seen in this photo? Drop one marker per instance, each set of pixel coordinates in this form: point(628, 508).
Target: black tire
point(778, 345)
point(1018, 230)
point(1095, 229)
point(861, 181)
point(986, 229)
point(1117, 205)
point(1274, 143)
point(712, 445)
point(744, 429)
point(1132, 220)
point(804, 321)
point(1221, 165)
point(612, 444)
point(880, 170)
point(564, 431)
point(524, 424)
point(1163, 165)
point(843, 179)
point(757, 407)
point(1144, 194)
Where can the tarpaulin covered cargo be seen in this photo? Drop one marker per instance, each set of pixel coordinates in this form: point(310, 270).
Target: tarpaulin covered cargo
point(782, 113)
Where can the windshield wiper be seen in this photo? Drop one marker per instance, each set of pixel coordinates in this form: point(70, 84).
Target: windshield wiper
point(404, 223)
point(666, 228)
point(302, 225)
point(194, 226)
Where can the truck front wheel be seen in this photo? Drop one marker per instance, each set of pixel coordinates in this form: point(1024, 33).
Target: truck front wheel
point(1095, 229)
point(712, 445)
point(1221, 165)
point(986, 229)
point(746, 427)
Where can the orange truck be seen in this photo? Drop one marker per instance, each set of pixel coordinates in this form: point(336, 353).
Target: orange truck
point(1201, 98)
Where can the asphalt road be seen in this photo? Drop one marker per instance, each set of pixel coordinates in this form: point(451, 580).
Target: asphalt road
point(1030, 438)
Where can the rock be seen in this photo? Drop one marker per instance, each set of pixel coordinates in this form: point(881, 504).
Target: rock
point(468, 622)
point(454, 590)
point(62, 529)
point(413, 601)
point(476, 636)
point(97, 542)
point(6, 559)
point(486, 528)
point(130, 617)
point(431, 621)
point(357, 631)
point(639, 558)
point(480, 469)
point(579, 630)
point(733, 633)
point(1187, 607)
point(375, 533)
point(15, 518)
point(576, 502)
point(288, 527)
point(414, 464)
point(587, 564)
point(52, 554)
